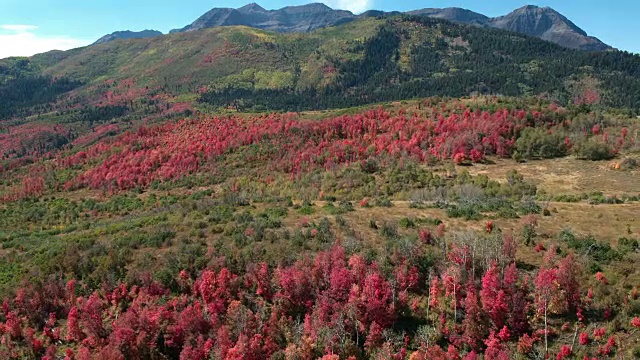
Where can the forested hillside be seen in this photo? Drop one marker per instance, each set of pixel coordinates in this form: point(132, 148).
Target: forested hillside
point(362, 62)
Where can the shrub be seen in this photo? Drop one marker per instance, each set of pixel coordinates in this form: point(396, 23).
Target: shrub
point(598, 251)
point(517, 157)
point(529, 206)
point(539, 143)
point(306, 209)
point(275, 212)
point(468, 212)
point(626, 245)
point(406, 223)
point(342, 208)
point(384, 203)
point(628, 164)
point(528, 234)
point(593, 150)
point(429, 221)
point(370, 166)
point(389, 231)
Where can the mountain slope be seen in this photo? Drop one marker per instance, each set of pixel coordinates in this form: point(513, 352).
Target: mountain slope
point(544, 23)
point(302, 18)
point(549, 25)
point(361, 62)
point(454, 14)
point(128, 35)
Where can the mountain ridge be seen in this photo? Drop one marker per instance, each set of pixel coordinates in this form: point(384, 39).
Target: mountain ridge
point(542, 22)
point(547, 24)
point(454, 14)
point(302, 18)
point(370, 60)
point(127, 34)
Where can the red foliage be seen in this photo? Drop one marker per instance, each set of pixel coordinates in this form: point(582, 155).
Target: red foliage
point(565, 352)
point(452, 353)
point(489, 227)
point(440, 230)
point(547, 289)
point(32, 186)
point(73, 326)
point(584, 339)
point(474, 329)
point(476, 155)
point(425, 237)
point(567, 276)
point(96, 134)
point(330, 298)
point(175, 149)
point(493, 298)
point(459, 158)
point(495, 349)
point(30, 140)
point(598, 333)
point(525, 344)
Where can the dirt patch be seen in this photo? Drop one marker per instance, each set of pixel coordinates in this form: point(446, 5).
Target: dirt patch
point(565, 176)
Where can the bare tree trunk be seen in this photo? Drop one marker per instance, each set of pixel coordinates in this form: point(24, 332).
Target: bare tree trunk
point(575, 335)
point(455, 304)
point(546, 343)
point(429, 297)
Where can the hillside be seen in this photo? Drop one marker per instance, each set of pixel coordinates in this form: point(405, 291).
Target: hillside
point(362, 62)
point(272, 235)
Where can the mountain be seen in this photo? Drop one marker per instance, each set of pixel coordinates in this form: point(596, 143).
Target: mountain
point(302, 18)
point(549, 25)
point(544, 23)
point(454, 14)
point(369, 60)
point(128, 35)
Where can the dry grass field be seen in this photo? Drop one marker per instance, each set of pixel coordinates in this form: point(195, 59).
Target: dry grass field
point(566, 175)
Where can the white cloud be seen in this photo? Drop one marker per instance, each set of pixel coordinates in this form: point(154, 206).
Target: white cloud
point(355, 6)
point(19, 28)
point(23, 40)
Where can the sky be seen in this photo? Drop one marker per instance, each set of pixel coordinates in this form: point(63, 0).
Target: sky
point(28, 27)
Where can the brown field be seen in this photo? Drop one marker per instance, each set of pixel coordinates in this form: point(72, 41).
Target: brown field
point(566, 175)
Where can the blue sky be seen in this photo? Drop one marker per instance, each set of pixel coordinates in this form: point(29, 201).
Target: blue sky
point(32, 26)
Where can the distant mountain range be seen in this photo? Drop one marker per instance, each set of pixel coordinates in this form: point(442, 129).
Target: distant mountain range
point(128, 35)
point(304, 18)
point(375, 58)
point(541, 22)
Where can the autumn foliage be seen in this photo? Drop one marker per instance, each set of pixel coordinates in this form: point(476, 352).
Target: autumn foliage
point(333, 305)
point(290, 145)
